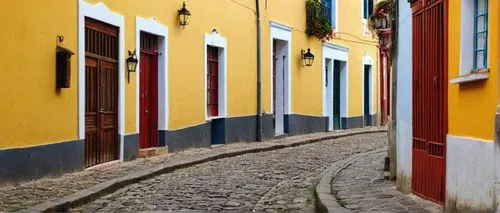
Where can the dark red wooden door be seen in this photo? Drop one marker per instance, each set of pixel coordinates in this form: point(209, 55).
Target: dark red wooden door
point(212, 81)
point(429, 100)
point(101, 93)
point(148, 136)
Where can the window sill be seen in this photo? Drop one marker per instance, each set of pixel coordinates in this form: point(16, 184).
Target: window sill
point(473, 76)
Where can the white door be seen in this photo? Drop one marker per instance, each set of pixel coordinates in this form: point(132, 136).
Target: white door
point(280, 76)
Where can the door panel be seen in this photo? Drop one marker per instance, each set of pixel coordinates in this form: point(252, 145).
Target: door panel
point(429, 102)
point(148, 91)
point(101, 93)
point(336, 95)
point(212, 81)
point(367, 95)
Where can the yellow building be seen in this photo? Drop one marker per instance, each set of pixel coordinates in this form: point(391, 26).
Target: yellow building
point(472, 101)
point(194, 85)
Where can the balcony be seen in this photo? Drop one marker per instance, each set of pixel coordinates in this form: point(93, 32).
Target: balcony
point(318, 20)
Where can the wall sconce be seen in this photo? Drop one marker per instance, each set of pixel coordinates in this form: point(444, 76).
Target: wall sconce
point(131, 63)
point(63, 64)
point(184, 15)
point(307, 57)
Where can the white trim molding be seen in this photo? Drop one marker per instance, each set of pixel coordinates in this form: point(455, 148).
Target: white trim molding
point(100, 12)
point(334, 53)
point(152, 26)
point(282, 32)
point(367, 60)
point(215, 40)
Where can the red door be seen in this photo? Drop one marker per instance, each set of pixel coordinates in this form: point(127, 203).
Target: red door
point(148, 112)
point(212, 81)
point(101, 93)
point(429, 99)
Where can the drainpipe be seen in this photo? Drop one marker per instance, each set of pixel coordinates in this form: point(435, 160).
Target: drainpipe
point(259, 76)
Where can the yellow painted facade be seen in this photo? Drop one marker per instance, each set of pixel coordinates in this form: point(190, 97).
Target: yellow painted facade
point(472, 106)
point(34, 113)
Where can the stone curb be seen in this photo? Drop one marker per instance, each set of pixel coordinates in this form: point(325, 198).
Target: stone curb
point(87, 195)
point(325, 201)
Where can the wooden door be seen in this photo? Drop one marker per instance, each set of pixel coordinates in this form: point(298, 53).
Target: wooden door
point(101, 93)
point(212, 81)
point(366, 97)
point(148, 112)
point(429, 100)
point(336, 95)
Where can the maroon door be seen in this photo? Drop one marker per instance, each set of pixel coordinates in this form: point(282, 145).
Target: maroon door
point(101, 93)
point(148, 112)
point(212, 81)
point(429, 99)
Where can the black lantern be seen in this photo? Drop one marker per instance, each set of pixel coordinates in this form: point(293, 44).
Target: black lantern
point(308, 57)
point(184, 15)
point(131, 63)
point(381, 21)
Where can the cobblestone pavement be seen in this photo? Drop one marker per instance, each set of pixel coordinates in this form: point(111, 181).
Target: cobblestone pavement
point(361, 188)
point(275, 181)
point(23, 195)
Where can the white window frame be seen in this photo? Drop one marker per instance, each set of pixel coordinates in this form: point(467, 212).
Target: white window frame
point(467, 38)
point(215, 40)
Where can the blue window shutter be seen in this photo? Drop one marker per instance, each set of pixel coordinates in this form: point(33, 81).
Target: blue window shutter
point(365, 9)
point(480, 34)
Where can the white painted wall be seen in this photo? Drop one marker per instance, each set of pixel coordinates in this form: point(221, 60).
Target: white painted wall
point(470, 174)
point(404, 98)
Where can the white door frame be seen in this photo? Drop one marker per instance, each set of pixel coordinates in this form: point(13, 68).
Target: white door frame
point(215, 40)
point(283, 33)
point(334, 53)
point(101, 12)
point(154, 27)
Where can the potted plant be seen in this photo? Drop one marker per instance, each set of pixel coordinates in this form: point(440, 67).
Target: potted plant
point(318, 24)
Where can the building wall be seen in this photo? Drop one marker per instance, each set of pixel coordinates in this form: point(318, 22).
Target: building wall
point(37, 117)
point(404, 130)
point(471, 110)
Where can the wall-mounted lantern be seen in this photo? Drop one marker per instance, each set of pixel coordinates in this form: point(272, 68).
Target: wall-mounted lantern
point(63, 65)
point(131, 63)
point(184, 15)
point(381, 21)
point(307, 57)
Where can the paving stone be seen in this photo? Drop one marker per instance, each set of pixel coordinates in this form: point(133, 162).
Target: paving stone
point(24, 195)
point(274, 181)
point(361, 188)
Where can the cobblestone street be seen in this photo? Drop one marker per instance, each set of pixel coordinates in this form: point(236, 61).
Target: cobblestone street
point(274, 181)
point(361, 188)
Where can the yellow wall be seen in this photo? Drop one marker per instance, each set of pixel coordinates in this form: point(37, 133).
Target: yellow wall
point(472, 106)
point(33, 112)
point(307, 81)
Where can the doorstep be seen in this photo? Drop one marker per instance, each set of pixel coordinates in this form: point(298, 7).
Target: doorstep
point(151, 152)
